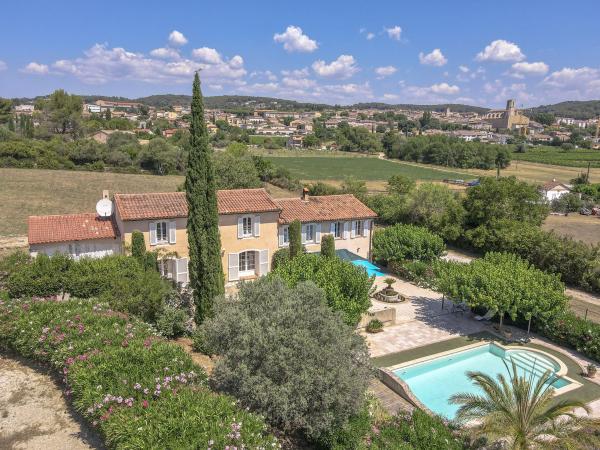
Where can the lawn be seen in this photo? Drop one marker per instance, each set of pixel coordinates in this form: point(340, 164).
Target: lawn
point(365, 168)
point(26, 192)
point(557, 156)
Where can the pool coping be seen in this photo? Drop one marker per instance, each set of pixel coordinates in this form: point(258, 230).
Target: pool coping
point(400, 387)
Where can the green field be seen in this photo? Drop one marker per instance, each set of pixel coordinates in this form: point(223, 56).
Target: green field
point(578, 157)
point(366, 168)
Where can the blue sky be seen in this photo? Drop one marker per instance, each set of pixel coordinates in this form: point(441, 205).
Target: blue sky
point(475, 52)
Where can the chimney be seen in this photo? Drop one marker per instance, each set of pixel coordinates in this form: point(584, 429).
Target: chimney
point(105, 193)
point(305, 194)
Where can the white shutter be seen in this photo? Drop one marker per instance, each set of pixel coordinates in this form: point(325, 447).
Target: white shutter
point(234, 269)
point(332, 228)
point(318, 233)
point(366, 225)
point(346, 230)
point(171, 269)
point(240, 227)
point(281, 236)
point(353, 234)
point(303, 234)
point(182, 270)
point(152, 233)
point(264, 262)
point(256, 226)
point(172, 232)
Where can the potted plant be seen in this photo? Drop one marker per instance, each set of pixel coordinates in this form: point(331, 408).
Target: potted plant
point(591, 370)
point(374, 326)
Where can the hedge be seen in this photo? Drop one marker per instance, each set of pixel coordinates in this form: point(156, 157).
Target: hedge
point(123, 281)
point(136, 389)
point(346, 286)
point(406, 242)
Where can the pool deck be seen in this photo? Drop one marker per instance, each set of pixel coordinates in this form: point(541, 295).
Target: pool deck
point(423, 328)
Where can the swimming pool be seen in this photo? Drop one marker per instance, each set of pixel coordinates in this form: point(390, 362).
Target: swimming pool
point(434, 381)
point(371, 268)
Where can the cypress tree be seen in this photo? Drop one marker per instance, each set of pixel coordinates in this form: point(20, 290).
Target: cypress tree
point(11, 124)
point(295, 237)
point(206, 270)
point(138, 245)
point(328, 246)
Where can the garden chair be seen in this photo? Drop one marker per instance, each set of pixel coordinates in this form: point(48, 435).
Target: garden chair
point(487, 317)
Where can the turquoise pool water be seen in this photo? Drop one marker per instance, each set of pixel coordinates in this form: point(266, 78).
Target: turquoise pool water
point(371, 268)
point(436, 380)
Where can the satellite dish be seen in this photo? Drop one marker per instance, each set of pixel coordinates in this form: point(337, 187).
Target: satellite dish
point(104, 208)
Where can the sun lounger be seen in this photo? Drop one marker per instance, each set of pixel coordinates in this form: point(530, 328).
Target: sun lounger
point(487, 317)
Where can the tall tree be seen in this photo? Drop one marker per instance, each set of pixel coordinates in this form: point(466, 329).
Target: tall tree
point(5, 110)
point(206, 270)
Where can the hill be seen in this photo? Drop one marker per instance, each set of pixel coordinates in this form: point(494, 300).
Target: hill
point(576, 109)
point(454, 107)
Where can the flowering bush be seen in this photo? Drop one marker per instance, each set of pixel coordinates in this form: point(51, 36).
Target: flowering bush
point(138, 390)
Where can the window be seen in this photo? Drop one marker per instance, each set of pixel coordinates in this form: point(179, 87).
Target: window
point(286, 235)
point(338, 229)
point(309, 230)
point(247, 264)
point(247, 226)
point(359, 227)
point(162, 231)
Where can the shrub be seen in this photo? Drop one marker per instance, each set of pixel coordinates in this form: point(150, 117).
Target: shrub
point(567, 329)
point(280, 257)
point(43, 276)
point(374, 326)
point(110, 364)
point(138, 245)
point(295, 238)
point(284, 353)
point(328, 246)
point(401, 242)
point(417, 271)
point(346, 286)
point(171, 322)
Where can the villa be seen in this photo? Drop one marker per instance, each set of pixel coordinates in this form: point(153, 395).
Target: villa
point(252, 225)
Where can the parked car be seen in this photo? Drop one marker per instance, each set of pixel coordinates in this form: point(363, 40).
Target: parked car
point(585, 212)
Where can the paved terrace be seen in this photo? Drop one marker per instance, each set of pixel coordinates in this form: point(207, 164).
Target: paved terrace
point(421, 321)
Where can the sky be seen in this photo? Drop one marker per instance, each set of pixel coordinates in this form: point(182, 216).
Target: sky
point(327, 51)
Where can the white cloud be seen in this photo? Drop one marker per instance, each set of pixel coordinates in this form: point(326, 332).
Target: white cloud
point(35, 68)
point(573, 78)
point(390, 97)
point(463, 69)
point(370, 36)
point(385, 71)
point(343, 67)
point(298, 83)
point(501, 50)
point(521, 69)
point(435, 58)
point(294, 40)
point(177, 39)
point(444, 89)
point(216, 87)
point(394, 32)
point(3, 65)
point(207, 55)
point(101, 64)
point(165, 53)
point(296, 73)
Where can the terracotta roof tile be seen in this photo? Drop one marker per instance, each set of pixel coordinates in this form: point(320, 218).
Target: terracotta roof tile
point(323, 208)
point(174, 204)
point(70, 227)
point(552, 184)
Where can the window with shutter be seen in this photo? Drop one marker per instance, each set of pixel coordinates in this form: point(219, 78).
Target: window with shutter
point(172, 232)
point(234, 267)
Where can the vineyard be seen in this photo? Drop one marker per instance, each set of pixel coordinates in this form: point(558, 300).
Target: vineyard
point(560, 157)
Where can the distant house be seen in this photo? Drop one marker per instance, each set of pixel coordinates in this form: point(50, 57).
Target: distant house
point(103, 135)
point(554, 189)
point(295, 142)
point(169, 132)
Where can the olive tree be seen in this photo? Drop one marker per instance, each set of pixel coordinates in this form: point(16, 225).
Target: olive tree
point(284, 353)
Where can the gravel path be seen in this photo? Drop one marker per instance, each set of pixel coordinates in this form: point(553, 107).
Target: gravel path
point(34, 414)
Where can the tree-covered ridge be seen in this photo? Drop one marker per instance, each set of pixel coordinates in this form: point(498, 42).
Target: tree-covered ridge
point(576, 109)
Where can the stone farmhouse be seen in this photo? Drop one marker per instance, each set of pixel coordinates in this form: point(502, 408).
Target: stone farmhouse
point(252, 226)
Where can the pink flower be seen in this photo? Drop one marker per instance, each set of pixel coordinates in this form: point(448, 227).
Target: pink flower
point(145, 404)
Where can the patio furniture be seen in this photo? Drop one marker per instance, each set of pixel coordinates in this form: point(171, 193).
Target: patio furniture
point(461, 307)
point(487, 317)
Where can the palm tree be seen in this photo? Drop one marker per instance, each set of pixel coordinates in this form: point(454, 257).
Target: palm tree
point(524, 413)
